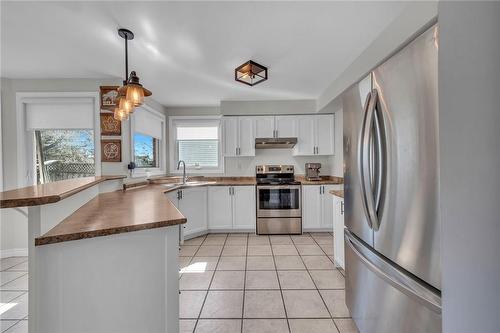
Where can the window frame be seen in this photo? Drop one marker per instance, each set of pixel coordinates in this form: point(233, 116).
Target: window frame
point(161, 169)
point(173, 153)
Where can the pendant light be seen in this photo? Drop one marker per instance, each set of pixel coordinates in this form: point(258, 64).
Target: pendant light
point(132, 93)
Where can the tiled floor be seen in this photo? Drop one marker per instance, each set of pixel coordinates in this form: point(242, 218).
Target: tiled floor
point(247, 283)
point(14, 295)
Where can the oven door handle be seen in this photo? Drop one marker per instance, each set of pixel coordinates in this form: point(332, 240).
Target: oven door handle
point(277, 187)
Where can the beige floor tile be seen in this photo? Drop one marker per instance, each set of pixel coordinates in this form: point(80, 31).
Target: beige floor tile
point(303, 239)
point(190, 303)
point(20, 283)
point(265, 326)
point(218, 326)
point(186, 325)
point(223, 304)
point(209, 250)
point(7, 263)
point(309, 250)
point(304, 304)
point(324, 240)
point(318, 262)
point(5, 324)
point(327, 248)
point(215, 235)
point(188, 251)
point(6, 276)
point(219, 240)
point(295, 280)
point(7, 296)
point(326, 279)
point(22, 267)
point(237, 234)
point(258, 240)
point(259, 250)
point(289, 262)
point(228, 280)
point(335, 301)
point(234, 250)
point(346, 325)
point(15, 309)
point(261, 280)
point(284, 250)
point(280, 240)
point(203, 263)
point(231, 264)
point(312, 326)
point(20, 327)
point(195, 280)
point(264, 304)
point(236, 241)
point(260, 263)
point(195, 241)
point(183, 263)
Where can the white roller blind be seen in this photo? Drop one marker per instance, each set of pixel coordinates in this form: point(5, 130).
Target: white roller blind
point(148, 123)
point(67, 114)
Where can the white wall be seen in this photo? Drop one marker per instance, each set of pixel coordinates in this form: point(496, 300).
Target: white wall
point(13, 222)
point(469, 88)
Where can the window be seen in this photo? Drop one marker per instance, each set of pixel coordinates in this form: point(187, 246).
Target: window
point(148, 147)
point(145, 151)
point(196, 141)
point(64, 154)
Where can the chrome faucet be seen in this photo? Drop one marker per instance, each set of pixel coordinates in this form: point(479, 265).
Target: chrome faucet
point(183, 170)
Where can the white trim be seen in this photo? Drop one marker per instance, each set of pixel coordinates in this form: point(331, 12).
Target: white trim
point(23, 98)
point(162, 151)
point(20, 252)
point(1, 147)
point(172, 140)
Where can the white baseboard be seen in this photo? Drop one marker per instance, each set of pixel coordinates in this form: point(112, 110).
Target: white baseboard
point(13, 253)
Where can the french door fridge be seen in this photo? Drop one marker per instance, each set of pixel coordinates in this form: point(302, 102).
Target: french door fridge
point(392, 234)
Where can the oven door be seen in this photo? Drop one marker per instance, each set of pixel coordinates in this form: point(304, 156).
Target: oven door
point(278, 201)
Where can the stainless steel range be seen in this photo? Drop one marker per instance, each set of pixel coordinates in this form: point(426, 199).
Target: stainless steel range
point(279, 208)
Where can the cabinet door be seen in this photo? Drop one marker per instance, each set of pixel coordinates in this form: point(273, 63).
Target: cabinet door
point(286, 126)
point(327, 208)
point(325, 138)
point(311, 207)
point(172, 196)
point(230, 135)
point(244, 207)
point(193, 205)
point(246, 136)
point(264, 127)
point(338, 232)
point(219, 208)
point(305, 136)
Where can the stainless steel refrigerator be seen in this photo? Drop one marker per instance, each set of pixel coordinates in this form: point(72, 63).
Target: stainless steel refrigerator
point(392, 233)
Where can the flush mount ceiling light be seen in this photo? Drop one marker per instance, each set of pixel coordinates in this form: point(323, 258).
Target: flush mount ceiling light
point(132, 93)
point(250, 73)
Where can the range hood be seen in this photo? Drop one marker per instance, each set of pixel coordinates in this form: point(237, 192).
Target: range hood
point(274, 143)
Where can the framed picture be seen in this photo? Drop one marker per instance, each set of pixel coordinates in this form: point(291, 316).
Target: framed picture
point(109, 125)
point(108, 97)
point(111, 150)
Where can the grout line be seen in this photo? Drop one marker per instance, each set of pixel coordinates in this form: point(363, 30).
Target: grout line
point(279, 284)
point(244, 284)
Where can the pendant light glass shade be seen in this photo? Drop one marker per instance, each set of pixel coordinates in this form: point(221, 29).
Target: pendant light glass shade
point(125, 105)
point(135, 94)
point(120, 114)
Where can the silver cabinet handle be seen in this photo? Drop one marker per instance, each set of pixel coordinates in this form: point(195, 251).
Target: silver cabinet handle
point(342, 208)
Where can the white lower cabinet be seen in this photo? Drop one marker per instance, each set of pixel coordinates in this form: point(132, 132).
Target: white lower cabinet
point(192, 203)
point(317, 210)
point(231, 207)
point(338, 230)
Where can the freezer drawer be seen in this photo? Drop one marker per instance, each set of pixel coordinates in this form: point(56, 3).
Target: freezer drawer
point(382, 299)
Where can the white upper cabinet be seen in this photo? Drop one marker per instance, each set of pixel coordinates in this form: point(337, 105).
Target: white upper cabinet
point(325, 134)
point(315, 135)
point(286, 126)
point(239, 136)
point(246, 136)
point(264, 127)
point(306, 144)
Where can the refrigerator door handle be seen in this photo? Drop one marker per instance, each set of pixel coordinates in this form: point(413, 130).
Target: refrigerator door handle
point(361, 162)
point(379, 159)
point(366, 159)
point(395, 277)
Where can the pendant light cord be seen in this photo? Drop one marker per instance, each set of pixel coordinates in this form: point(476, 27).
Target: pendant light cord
point(126, 59)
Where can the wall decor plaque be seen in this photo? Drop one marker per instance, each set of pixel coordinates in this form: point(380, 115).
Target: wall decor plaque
point(111, 150)
point(108, 97)
point(109, 125)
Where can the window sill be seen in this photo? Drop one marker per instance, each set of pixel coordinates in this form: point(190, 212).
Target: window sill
point(142, 173)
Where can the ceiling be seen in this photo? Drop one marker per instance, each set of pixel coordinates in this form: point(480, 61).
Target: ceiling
point(186, 52)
